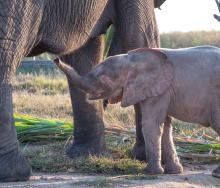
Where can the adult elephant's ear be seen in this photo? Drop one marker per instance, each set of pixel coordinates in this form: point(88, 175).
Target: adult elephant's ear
point(158, 3)
point(150, 75)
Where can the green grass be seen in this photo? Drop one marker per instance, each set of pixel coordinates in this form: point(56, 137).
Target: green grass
point(52, 158)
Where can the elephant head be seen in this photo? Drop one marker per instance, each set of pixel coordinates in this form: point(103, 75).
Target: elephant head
point(103, 82)
point(129, 78)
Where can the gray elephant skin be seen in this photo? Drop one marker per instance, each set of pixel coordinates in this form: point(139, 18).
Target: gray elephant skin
point(183, 83)
point(72, 30)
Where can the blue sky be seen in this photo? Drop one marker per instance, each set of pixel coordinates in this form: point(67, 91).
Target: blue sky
point(187, 15)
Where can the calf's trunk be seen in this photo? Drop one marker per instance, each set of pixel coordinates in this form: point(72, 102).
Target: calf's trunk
point(75, 78)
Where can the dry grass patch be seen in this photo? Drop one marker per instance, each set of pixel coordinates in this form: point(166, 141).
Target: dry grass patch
point(43, 84)
point(46, 106)
point(119, 117)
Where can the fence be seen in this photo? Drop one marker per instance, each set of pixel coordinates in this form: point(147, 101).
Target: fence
point(37, 64)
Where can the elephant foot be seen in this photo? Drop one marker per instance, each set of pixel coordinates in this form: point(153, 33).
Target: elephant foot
point(174, 168)
point(14, 167)
point(153, 170)
point(138, 152)
point(84, 150)
point(216, 172)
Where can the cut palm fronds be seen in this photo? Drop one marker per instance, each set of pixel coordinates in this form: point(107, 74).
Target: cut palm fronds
point(31, 129)
point(197, 157)
point(36, 129)
point(199, 151)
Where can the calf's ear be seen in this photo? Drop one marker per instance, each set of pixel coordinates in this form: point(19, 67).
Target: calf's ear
point(107, 81)
point(150, 76)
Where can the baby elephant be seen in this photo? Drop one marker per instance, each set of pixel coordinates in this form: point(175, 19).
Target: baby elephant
point(183, 83)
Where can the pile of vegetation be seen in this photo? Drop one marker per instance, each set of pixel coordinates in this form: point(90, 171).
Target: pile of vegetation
point(31, 129)
point(45, 142)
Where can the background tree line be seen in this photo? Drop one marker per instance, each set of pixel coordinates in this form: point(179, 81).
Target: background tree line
point(189, 39)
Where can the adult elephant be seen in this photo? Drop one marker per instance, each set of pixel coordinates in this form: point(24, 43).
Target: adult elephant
point(71, 29)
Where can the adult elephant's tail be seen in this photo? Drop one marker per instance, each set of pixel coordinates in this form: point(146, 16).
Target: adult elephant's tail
point(215, 15)
point(158, 3)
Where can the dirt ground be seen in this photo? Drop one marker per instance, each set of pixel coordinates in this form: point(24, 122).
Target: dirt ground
point(193, 177)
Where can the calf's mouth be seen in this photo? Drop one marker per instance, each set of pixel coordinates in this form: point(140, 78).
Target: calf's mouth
point(112, 98)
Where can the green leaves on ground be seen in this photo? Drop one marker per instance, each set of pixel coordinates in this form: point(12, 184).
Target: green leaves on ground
point(31, 129)
point(35, 129)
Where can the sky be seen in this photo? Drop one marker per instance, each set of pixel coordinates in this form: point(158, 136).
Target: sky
point(187, 15)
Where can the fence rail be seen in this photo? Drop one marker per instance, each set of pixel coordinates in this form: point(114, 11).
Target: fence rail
point(37, 64)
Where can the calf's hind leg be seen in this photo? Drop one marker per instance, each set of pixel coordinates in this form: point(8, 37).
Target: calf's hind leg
point(138, 151)
point(169, 155)
point(215, 124)
point(216, 172)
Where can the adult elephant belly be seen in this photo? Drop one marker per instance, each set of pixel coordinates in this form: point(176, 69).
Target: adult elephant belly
point(62, 33)
point(58, 49)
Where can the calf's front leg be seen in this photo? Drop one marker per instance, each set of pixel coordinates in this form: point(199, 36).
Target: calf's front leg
point(152, 132)
point(152, 136)
point(169, 155)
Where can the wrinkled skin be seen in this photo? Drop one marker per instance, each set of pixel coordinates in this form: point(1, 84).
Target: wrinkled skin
point(180, 83)
point(70, 29)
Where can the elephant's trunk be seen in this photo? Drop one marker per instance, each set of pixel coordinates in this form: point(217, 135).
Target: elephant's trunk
point(73, 76)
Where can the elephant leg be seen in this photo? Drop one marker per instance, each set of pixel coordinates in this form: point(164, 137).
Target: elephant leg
point(13, 166)
point(216, 172)
point(152, 117)
point(135, 27)
point(88, 115)
point(14, 41)
point(169, 155)
point(215, 124)
point(138, 151)
point(152, 136)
